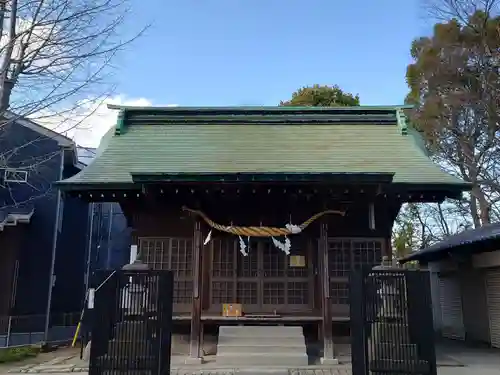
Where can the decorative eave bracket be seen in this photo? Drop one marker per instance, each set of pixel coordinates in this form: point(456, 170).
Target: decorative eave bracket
point(120, 123)
point(402, 121)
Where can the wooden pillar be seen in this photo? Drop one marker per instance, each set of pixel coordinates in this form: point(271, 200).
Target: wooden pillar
point(387, 251)
point(326, 308)
point(195, 341)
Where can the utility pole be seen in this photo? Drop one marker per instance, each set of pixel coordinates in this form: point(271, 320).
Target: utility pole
point(10, 67)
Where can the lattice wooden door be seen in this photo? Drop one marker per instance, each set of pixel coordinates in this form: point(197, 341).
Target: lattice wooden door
point(235, 279)
point(263, 281)
point(175, 254)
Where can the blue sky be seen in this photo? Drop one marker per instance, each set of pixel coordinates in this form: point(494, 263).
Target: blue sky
point(257, 52)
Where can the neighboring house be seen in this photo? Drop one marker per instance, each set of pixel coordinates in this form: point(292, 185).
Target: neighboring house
point(465, 280)
point(40, 230)
point(110, 235)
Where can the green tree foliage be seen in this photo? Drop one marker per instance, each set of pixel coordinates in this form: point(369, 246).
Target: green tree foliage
point(321, 96)
point(454, 83)
point(405, 233)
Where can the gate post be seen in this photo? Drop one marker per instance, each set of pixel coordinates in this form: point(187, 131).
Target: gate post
point(165, 295)
point(420, 316)
point(358, 326)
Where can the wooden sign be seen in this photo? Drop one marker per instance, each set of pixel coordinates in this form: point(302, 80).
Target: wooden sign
point(297, 261)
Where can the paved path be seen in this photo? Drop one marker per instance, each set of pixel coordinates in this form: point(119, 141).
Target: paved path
point(72, 364)
point(66, 364)
point(469, 370)
point(476, 361)
point(452, 361)
point(248, 371)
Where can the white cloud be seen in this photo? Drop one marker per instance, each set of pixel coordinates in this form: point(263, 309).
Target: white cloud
point(89, 120)
point(99, 119)
point(37, 53)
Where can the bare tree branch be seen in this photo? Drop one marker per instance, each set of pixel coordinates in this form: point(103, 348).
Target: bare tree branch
point(55, 61)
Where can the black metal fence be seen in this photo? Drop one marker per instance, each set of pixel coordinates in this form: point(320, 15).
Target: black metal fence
point(18, 330)
point(131, 324)
point(391, 323)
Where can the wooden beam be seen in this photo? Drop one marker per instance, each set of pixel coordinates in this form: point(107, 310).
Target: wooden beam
point(305, 193)
point(195, 342)
point(326, 308)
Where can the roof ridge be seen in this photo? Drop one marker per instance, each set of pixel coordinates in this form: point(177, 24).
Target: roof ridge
point(376, 115)
point(173, 109)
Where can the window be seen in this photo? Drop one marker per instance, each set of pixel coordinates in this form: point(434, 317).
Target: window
point(15, 175)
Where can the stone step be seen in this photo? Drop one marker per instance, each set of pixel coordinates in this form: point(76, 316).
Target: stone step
point(258, 341)
point(261, 359)
point(261, 331)
point(261, 349)
point(261, 345)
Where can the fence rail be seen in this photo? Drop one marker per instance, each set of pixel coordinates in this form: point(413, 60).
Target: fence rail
point(16, 330)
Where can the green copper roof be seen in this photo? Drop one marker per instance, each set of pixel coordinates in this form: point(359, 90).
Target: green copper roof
point(261, 140)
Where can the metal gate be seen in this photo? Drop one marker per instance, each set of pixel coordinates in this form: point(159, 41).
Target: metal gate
point(391, 323)
point(131, 325)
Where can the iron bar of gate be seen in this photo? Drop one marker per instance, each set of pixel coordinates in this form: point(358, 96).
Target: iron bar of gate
point(131, 330)
point(391, 320)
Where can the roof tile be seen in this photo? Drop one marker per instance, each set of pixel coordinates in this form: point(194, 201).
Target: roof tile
point(270, 148)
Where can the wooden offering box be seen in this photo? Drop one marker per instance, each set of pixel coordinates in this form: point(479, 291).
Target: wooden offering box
point(232, 309)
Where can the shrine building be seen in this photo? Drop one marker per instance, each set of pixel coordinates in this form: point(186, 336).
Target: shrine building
point(269, 208)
